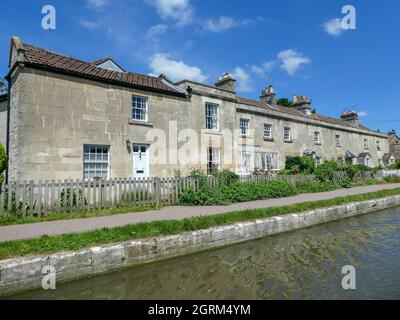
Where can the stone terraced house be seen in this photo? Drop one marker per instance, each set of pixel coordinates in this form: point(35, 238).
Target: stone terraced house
point(65, 118)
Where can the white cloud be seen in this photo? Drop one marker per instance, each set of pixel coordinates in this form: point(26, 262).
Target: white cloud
point(362, 114)
point(334, 27)
point(265, 68)
point(176, 70)
point(96, 3)
point(156, 31)
point(179, 10)
point(291, 61)
point(224, 23)
point(90, 25)
point(243, 80)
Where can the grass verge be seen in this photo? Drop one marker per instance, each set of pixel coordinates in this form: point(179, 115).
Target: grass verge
point(77, 241)
point(7, 219)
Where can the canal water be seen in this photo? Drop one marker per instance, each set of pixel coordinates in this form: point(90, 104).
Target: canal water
point(303, 264)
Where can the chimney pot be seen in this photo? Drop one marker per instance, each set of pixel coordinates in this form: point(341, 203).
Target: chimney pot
point(268, 95)
point(227, 82)
point(351, 117)
point(302, 104)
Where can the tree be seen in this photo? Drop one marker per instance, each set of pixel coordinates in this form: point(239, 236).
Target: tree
point(285, 102)
point(3, 162)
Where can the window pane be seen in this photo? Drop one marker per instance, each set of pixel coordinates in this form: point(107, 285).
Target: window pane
point(95, 161)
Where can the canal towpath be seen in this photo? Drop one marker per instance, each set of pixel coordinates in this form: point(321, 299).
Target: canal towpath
point(53, 228)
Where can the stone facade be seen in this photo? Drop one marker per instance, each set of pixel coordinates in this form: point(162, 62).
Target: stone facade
point(394, 141)
point(53, 115)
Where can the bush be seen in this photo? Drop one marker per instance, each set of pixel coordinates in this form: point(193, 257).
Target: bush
point(315, 186)
point(395, 166)
point(226, 177)
point(66, 194)
point(391, 179)
point(336, 173)
point(3, 163)
point(198, 174)
point(296, 165)
point(237, 192)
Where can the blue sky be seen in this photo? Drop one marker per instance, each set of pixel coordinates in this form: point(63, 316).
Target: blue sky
point(295, 45)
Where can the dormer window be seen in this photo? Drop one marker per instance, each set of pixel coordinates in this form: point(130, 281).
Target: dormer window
point(109, 64)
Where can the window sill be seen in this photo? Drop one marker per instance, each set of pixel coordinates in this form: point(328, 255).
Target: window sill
point(269, 139)
point(318, 144)
point(339, 146)
point(288, 141)
point(213, 132)
point(140, 123)
point(245, 136)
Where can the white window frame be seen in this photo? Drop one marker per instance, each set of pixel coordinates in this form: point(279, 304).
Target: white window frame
point(338, 142)
point(367, 161)
point(137, 105)
point(213, 159)
point(287, 134)
point(96, 159)
point(212, 116)
point(318, 161)
point(317, 137)
point(243, 156)
point(271, 161)
point(244, 125)
point(366, 145)
point(268, 131)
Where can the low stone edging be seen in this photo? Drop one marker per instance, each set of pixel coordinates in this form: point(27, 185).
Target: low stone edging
point(19, 274)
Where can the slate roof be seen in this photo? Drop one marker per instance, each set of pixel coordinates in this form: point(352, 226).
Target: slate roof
point(294, 112)
point(47, 60)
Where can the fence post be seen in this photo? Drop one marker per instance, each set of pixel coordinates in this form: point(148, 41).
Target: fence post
point(158, 192)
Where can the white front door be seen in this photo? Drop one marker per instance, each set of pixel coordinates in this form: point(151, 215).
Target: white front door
point(140, 161)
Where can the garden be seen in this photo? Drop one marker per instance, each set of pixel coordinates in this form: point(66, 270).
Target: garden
point(328, 176)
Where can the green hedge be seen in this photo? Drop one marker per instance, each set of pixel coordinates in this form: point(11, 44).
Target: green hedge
point(237, 192)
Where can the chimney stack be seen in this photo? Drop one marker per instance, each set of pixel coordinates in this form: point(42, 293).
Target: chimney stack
point(268, 95)
point(226, 82)
point(302, 104)
point(351, 117)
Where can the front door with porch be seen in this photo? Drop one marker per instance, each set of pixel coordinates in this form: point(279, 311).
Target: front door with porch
point(140, 161)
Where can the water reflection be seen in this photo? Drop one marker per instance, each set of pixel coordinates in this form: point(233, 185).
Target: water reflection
point(304, 264)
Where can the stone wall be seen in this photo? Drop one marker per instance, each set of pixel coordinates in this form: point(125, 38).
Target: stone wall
point(21, 274)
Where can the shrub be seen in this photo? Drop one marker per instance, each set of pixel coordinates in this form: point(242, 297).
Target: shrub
point(66, 194)
point(198, 174)
point(315, 186)
point(334, 172)
point(297, 165)
point(391, 179)
point(395, 166)
point(237, 192)
point(226, 177)
point(3, 162)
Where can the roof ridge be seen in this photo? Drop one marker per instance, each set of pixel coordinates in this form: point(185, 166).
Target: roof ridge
point(37, 57)
point(86, 62)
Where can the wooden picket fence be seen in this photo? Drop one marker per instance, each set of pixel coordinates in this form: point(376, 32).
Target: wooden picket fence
point(44, 197)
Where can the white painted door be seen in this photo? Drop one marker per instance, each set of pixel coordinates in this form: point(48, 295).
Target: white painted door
point(140, 161)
